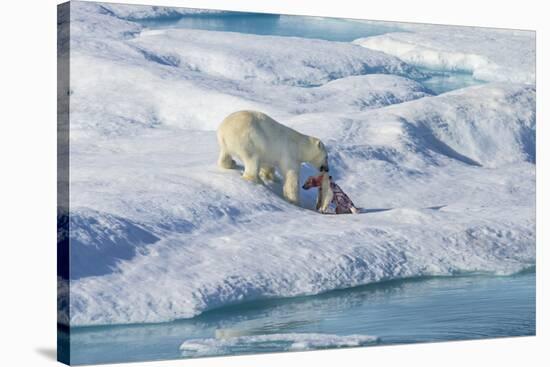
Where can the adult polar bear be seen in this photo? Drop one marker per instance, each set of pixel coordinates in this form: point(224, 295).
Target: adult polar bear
point(263, 144)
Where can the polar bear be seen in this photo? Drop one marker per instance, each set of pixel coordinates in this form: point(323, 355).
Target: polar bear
point(263, 144)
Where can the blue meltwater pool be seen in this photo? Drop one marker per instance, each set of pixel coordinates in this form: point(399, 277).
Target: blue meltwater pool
point(330, 29)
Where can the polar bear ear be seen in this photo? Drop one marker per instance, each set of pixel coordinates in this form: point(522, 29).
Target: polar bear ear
point(320, 144)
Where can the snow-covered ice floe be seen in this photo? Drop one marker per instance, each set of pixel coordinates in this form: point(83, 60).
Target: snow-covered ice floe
point(490, 54)
point(446, 183)
point(290, 341)
point(140, 12)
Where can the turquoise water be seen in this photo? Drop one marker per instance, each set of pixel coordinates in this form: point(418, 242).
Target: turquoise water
point(411, 311)
point(330, 29)
point(445, 81)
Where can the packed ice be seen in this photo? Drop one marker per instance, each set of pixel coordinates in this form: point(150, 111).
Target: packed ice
point(291, 341)
point(445, 183)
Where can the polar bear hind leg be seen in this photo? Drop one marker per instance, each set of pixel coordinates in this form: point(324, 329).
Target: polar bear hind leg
point(267, 173)
point(225, 160)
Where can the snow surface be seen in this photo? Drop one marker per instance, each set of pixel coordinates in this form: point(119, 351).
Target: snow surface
point(446, 183)
point(269, 59)
point(139, 12)
point(293, 341)
point(490, 54)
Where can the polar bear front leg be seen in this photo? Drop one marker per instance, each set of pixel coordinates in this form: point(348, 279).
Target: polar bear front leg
point(251, 168)
point(326, 200)
point(291, 190)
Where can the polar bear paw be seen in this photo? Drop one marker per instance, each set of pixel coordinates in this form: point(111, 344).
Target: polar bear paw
point(251, 178)
point(268, 174)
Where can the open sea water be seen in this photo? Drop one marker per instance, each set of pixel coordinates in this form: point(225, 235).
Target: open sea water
point(396, 312)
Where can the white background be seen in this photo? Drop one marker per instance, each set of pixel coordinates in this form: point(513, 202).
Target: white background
point(28, 182)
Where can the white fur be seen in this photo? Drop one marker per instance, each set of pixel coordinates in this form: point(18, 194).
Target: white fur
point(324, 198)
point(263, 144)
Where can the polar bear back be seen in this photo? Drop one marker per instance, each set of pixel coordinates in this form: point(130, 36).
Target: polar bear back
point(252, 133)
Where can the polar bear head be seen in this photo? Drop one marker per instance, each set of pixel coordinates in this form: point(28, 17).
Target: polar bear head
point(315, 154)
